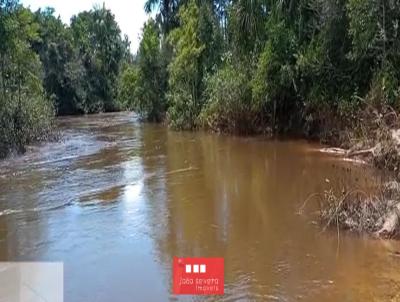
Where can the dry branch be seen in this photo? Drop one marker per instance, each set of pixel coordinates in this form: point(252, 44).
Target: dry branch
point(364, 152)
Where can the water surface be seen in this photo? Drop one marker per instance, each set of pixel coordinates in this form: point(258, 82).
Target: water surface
point(115, 200)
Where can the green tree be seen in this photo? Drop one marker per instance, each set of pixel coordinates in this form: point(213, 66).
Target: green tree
point(374, 29)
point(185, 79)
point(229, 104)
point(25, 114)
point(102, 50)
point(128, 82)
point(63, 70)
point(167, 13)
point(211, 36)
point(149, 99)
point(274, 81)
point(246, 26)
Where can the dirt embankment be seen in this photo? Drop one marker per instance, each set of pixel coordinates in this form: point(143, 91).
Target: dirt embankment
point(375, 138)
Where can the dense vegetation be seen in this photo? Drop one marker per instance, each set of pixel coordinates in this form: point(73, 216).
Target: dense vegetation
point(48, 68)
point(306, 66)
point(249, 65)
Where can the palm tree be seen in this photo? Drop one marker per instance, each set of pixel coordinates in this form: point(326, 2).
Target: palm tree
point(168, 10)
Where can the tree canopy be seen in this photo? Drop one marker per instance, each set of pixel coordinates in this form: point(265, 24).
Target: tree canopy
point(304, 61)
point(48, 68)
point(228, 65)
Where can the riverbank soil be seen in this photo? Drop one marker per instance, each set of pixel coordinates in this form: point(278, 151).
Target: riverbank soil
point(375, 139)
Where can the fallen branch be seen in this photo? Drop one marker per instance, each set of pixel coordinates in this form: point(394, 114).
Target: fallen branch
point(334, 150)
point(364, 152)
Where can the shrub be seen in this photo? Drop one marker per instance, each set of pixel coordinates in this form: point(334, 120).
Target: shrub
point(229, 106)
point(23, 121)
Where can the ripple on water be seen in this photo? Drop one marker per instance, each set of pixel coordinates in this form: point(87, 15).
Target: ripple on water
point(34, 210)
point(155, 194)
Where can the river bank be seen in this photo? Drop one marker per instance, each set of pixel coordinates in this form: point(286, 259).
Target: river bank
point(375, 139)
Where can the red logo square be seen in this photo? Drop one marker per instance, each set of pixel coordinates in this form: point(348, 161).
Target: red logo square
point(198, 276)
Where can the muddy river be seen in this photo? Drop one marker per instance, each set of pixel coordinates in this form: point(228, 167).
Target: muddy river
point(115, 200)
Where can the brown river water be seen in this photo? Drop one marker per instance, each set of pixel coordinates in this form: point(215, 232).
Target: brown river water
point(116, 200)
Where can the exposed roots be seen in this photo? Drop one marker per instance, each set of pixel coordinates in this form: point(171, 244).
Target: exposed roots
point(377, 138)
point(378, 215)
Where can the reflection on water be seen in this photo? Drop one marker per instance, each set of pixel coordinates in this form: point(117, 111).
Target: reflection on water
point(116, 200)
